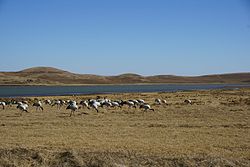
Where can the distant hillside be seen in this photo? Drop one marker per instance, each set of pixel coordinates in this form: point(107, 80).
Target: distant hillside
point(42, 70)
point(53, 76)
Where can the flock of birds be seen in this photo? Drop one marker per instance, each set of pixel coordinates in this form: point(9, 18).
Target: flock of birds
point(90, 103)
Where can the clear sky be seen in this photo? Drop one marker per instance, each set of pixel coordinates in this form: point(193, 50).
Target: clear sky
point(110, 37)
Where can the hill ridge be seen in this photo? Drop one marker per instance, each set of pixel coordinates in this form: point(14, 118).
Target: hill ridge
point(42, 69)
point(53, 76)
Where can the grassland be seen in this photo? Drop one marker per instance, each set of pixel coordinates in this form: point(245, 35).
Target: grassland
point(214, 131)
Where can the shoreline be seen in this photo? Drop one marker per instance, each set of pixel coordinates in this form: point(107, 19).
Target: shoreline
point(117, 84)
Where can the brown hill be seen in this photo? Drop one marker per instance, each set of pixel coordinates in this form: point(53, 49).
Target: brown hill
point(43, 70)
point(53, 76)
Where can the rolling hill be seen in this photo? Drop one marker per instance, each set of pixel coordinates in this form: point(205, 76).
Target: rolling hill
point(53, 76)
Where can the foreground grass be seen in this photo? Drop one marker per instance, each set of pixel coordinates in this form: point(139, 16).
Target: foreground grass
point(215, 131)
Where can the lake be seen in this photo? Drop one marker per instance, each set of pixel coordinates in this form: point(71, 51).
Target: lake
point(19, 91)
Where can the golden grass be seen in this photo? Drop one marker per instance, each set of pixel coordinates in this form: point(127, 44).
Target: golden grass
point(213, 131)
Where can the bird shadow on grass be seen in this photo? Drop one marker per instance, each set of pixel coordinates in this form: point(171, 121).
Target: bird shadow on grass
point(65, 115)
point(83, 113)
point(13, 116)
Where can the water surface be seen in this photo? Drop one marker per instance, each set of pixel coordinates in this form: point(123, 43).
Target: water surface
point(16, 91)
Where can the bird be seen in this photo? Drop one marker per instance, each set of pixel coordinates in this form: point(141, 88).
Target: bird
point(48, 102)
point(129, 103)
point(164, 101)
point(187, 101)
point(22, 107)
point(146, 107)
point(158, 101)
point(141, 101)
point(84, 103)
point(94, 104)
point(38, 105)
point(58, 103)
point(3, 104)
point(115, 104)
point(73, 107)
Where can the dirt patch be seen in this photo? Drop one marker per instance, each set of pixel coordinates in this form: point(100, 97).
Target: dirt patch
point(28, 157)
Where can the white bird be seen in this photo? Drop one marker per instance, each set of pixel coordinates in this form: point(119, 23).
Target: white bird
point(48, 102)
point(73, 107)
point(141, 101)
point(22, 107)
point(3, 104)
point(164, 101)
point(187, 101)
point(72, 102)
point(115, 104)
point(146, 107)
point(58, 103)
point(128, 103)
point(38, 105)
point(63, 102)
point(25, 102)
point(106, 103)
point(94, 104)
point(84, 103)
point(158, 101)
point(135, 102)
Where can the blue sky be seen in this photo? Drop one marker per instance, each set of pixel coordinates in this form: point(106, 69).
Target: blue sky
point(180, 37)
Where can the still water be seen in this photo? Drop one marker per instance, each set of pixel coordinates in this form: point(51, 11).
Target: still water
point(16, 91)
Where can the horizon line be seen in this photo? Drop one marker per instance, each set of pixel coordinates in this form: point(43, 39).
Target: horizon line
point(129, 73)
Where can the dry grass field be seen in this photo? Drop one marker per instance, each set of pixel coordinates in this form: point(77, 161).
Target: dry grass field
point(214, 131)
